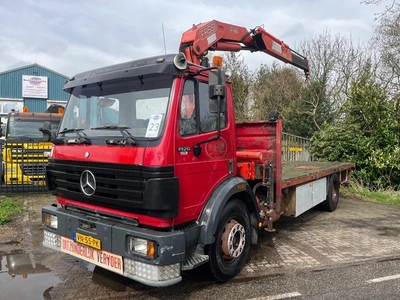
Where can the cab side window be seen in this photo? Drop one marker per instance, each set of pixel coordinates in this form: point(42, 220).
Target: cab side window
point(195, 116)
point(208, 121)
point(187, 120)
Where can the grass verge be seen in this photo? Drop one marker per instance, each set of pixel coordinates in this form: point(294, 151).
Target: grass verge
point(386, 196)
point(8, 207)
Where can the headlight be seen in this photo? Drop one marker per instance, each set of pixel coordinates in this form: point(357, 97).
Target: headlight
point(51, 221)
point(17, 151)
point(51, 152)
point(141, 247)
point(12, 170)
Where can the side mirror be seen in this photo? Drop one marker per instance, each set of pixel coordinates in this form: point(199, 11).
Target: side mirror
point(46, 127)
point(46, 130)
point(217, 88)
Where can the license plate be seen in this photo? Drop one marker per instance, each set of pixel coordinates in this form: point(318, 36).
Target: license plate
point(87, 240)
point(104, 259)
point(40, 182)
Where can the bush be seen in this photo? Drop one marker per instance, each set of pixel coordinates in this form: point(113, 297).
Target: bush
point(8, 207)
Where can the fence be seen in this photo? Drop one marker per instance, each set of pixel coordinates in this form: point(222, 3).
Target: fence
point(295, 148)
point(22, 167)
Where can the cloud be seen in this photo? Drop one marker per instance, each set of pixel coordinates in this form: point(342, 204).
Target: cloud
point(72, 36)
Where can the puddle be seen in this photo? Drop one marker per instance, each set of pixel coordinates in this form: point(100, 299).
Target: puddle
point(12, 243)
point(22, 277)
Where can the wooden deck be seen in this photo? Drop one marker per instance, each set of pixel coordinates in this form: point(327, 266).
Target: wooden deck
point(298, 172)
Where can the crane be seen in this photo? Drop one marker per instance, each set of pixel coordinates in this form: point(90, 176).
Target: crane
point(218, 36)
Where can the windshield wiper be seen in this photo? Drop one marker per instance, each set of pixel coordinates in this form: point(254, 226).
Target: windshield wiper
point(128, 137)
point(80, 140)
point(67, 130)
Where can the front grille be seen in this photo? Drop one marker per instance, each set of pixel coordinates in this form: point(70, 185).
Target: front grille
point(33, 169)
point(32, 152)
point(22, 154)
point(118, 186)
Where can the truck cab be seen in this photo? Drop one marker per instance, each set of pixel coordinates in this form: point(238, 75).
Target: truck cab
point(126, 149)
point(26, 147)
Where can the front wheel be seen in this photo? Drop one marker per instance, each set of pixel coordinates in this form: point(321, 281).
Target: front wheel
point(229, 251)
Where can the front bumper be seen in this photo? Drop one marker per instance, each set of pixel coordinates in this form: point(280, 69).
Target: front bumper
point(114, 255)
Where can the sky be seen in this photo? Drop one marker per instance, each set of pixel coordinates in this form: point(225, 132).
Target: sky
point(73, 36)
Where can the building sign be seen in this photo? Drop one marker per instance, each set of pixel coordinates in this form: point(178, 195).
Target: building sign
point(34, 86)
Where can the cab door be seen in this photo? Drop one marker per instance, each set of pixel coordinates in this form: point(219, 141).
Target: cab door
point(199, 175)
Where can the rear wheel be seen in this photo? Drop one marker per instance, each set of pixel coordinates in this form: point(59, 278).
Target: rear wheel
point(332, 198)
point(232, 242)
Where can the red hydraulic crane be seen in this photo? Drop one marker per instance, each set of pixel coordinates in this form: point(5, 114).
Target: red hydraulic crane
point(215, 35)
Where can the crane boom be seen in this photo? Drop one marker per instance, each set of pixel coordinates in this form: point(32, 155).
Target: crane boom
point(216, 35)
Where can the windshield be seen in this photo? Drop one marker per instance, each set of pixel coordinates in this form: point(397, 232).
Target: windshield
point(136, 105)
point(28, 128)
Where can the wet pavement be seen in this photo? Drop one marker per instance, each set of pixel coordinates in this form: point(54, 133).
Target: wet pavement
point(24, 278)
point(357, 232)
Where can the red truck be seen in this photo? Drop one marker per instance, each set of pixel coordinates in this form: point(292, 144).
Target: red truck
point(152, 175)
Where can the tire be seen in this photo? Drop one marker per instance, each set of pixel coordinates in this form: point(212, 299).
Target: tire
point(227, 255)
point(332, 197)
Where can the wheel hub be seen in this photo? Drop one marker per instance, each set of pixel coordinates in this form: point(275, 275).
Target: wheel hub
point(334, 194)
point(233, 239)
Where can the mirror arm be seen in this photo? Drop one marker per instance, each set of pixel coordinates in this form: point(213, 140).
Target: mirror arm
point(197, 147)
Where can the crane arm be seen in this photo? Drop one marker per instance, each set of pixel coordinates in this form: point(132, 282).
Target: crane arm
point(215, 35)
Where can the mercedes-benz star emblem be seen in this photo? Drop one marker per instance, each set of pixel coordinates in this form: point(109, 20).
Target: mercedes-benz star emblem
point(88, 183)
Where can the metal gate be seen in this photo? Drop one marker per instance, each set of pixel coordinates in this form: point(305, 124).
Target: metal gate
point(23, 165)
point(295, 148)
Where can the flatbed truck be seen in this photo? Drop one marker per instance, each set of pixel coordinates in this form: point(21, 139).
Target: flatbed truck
point(153, 176)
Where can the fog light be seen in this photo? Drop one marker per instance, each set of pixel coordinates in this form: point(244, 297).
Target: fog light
point(51, 221)
point(142, 247)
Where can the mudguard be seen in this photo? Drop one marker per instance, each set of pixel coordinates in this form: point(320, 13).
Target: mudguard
point(209, 218)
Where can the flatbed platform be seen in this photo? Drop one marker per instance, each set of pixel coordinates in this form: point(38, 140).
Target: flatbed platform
point(298, 172)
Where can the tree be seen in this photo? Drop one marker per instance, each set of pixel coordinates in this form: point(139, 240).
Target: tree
point(310, 111)
point(275, 89)
point(391, 7)
point(241, 78)
point(335, 62)
point(368, 134)
point(387, 38)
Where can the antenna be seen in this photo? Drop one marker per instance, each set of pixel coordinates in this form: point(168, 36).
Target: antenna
point(163, 34)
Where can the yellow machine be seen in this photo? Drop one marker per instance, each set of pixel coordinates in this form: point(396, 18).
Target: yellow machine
point(27, 147)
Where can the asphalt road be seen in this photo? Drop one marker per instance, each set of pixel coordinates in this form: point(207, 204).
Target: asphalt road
point(353, 253)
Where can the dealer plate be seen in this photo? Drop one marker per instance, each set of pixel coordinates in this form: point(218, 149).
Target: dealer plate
point(104, 259)
point(87, 240)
